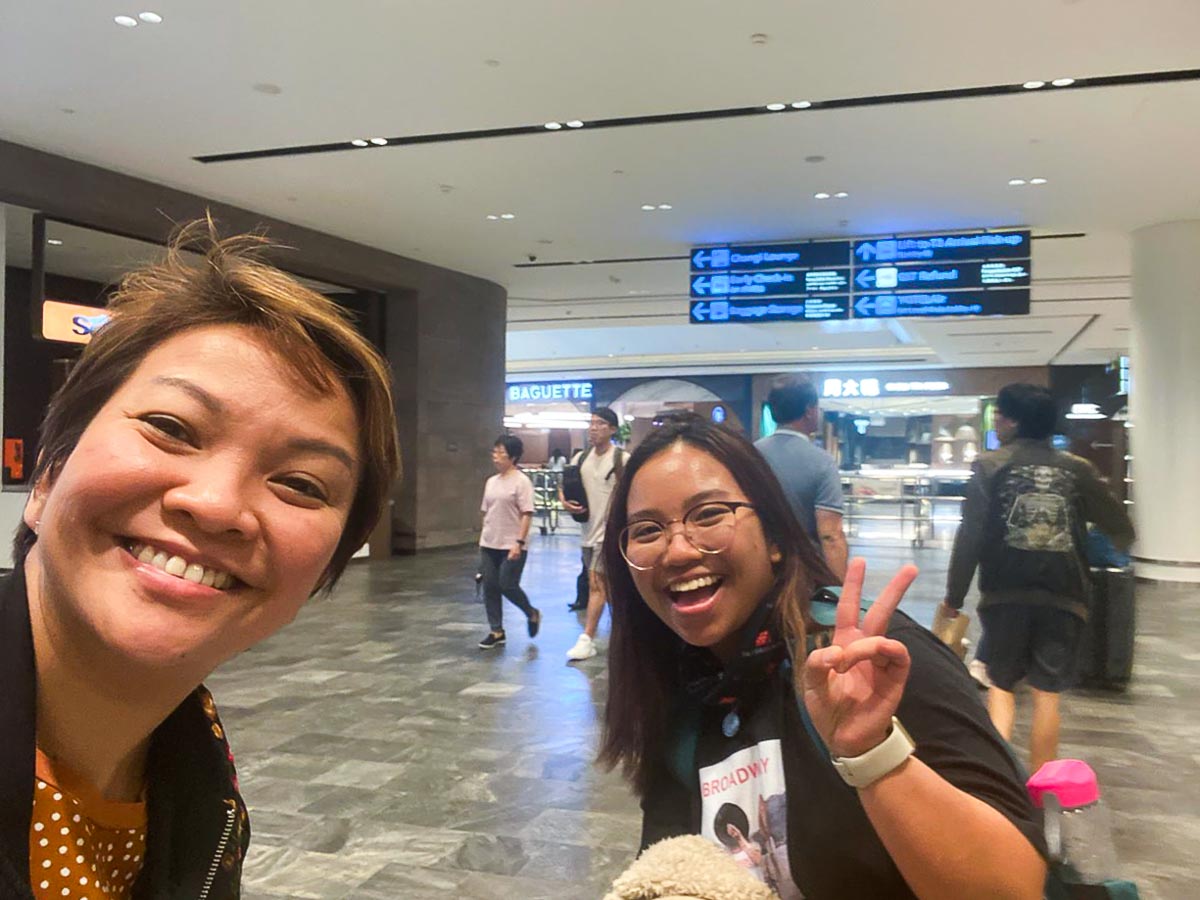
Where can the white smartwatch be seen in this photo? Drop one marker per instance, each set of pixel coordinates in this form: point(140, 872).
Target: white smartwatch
point(860, 771)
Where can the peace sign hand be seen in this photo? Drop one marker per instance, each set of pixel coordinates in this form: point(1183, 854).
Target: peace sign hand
point(853, 686)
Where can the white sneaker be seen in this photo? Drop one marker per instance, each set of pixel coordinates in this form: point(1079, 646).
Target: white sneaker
point(585, 648)
point(978, 670)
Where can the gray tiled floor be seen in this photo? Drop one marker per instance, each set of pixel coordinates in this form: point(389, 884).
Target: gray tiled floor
point(384, 756)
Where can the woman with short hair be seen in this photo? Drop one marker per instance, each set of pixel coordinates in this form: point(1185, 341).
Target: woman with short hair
point(224, 445)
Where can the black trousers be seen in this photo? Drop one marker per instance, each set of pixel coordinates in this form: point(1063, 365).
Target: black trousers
point(502, 577)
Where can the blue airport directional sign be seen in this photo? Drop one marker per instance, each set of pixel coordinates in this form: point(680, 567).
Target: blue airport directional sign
point(944, 276)
point(923, 275)
point(756, 257)
point(785, 309)
point(944, 247)
point(771, 284)
point(932, 304)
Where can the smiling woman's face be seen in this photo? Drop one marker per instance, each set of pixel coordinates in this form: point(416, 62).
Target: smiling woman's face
point(732, 583)
point(199, 508)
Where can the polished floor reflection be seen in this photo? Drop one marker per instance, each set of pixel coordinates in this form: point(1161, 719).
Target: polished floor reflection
point(383, 756)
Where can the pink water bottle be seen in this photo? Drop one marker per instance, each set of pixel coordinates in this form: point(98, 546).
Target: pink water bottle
point(1078, 827)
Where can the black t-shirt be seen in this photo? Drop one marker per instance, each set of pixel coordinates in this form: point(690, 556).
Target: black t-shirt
point(793, 818)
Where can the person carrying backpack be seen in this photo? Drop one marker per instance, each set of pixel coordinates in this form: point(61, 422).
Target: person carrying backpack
point(1024, 526)
point(596, 471)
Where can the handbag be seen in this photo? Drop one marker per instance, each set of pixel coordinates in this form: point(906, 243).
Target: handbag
point(951, 631)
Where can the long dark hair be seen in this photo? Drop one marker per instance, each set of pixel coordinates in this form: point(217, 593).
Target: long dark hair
point(643, 652)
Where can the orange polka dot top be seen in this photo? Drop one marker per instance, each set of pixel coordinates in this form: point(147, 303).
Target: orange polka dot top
point(81, 846)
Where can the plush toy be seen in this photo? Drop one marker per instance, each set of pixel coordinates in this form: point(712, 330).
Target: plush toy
point(687, 868)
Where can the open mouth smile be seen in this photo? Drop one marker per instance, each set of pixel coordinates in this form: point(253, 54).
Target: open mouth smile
point(695, 592)
point(180, 567)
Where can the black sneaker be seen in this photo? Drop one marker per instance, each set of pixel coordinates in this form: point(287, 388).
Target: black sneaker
point(534, 623)
point(492, 640)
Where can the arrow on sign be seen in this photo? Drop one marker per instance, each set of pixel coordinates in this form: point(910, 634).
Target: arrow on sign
point(865, 250)
point(865, 279)
point(700, 312)
point(700, 286)
point(701, 258)
point(864, 306)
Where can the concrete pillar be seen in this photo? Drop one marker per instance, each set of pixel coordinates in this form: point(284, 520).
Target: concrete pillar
point(1165, 400)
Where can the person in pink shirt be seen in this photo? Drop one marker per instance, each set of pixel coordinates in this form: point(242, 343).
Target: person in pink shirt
point(507, 513)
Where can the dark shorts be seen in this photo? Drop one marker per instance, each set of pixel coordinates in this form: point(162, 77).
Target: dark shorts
point(1037, 643)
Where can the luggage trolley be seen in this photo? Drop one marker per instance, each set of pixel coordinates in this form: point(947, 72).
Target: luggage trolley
point(545, 498)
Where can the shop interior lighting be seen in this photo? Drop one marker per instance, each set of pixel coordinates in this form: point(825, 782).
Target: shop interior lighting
point(553, 126)
point(776, 107)
point(360, 142)
point(150, 18)
point(665, 206)
point(1085, 411)
point(821, 195)
point(379, 142)
point(1033, 85)
point(54, 242)
point(1037, 180)
point(841, 195)
point(507, 216)
point(493, 217)
point(1063, 82)
point(1013, 182)
point(126, 21)
point(802, 104)
point(574, 123)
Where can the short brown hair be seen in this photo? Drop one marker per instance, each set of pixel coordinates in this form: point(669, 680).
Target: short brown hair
point(232, 285)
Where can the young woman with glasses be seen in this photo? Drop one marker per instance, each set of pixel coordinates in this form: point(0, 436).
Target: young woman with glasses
point(721, 707)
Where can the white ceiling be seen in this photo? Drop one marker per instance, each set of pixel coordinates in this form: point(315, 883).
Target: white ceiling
point(146, 100)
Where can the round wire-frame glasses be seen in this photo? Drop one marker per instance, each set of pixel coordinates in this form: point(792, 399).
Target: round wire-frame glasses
point(707, 526)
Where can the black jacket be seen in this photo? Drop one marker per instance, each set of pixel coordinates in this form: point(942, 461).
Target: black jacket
point(197, 831)
point(1025, 524)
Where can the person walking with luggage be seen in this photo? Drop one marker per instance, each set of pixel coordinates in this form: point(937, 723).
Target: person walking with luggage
point(808, 474)
point(507, 513)
point(600, 467)
point(1024, 526)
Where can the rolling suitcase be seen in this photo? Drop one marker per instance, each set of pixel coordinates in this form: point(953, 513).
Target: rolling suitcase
point(1107, 647)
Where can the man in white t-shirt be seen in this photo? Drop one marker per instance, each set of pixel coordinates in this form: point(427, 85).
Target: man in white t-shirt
point(600, 465)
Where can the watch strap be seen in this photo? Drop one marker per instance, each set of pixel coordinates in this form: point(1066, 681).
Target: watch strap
point(867, 768)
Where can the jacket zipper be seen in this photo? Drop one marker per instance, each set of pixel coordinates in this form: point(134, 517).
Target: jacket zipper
point(230, 816)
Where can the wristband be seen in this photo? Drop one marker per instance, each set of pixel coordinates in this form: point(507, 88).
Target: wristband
point(867, 768)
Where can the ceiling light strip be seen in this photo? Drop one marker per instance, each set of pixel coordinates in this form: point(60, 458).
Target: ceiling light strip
point(730, 113)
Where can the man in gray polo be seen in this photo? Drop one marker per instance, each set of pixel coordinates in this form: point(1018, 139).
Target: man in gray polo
point(808, 474)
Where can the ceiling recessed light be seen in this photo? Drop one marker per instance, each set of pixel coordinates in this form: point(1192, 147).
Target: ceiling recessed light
point(378, 142)
point(359, 142)
point(648, 206)
point(553, 126)
point(1037, 180)
point(493, 217)
point(841, 195)
point(665, 206)
point(820, 195)
point(776, 107)
point(151, 18)
point(1033, 85)
point(802, 104)
point(492, 63)
point(507, 216)
point(1016, 181)
point(575, 123)
point(1063, 82)
point(815, 158)
point(126, 21)
point(54, 242)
